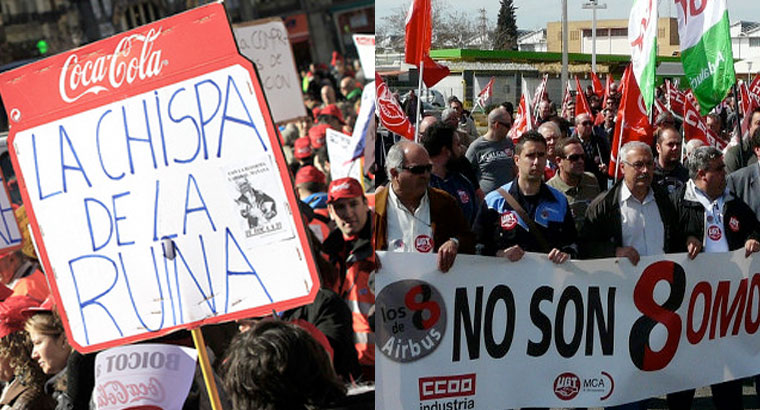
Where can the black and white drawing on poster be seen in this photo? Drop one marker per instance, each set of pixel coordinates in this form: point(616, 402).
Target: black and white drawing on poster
point(259, 201)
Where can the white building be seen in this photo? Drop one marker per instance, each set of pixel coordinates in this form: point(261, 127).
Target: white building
point(534, 40)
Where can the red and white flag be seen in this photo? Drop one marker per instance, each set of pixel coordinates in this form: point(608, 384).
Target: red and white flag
point(631, 123)
point(596, 85)
point(523, 121)
point(694, 127)
point(581, 104)
point(390, 113)
point(539, 96)
point(607, 87)
point(485, 94)
point(748, 101)
point(754, 86)
point(419, 33)
point(675, 98)
point(566, 100)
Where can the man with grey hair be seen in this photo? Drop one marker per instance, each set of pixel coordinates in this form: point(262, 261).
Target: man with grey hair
point(491, 154)
point(713, 220)
point(634, 217)
point(410, 216)
point(551, 133)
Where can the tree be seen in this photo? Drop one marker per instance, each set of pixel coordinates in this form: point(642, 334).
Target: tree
point(506, 27)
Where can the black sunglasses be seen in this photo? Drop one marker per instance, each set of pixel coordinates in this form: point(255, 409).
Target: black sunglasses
point(586, 123)
point(419, 169)
point(574, 157)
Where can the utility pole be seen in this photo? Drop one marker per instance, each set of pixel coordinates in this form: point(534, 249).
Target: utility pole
point(483, 29)
point(593, 5)
point(564, 45)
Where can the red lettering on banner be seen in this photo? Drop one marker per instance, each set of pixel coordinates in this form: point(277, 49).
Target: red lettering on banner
point(718, 311)
point(690, 8)
point(446, 386)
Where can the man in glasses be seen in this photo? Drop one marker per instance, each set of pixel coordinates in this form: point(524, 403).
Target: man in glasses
point(713, 220)
point(491, 154)
point(596, 148)
point(526, 215)
point(410, 216)
point(580, 187)
point(634, 217)
point(669, 172)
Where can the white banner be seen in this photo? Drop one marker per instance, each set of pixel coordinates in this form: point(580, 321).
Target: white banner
point(150, 375)
point(492, 334)
point(339, 151)
point(365, 46)
point(265, 42)
point(10, 234)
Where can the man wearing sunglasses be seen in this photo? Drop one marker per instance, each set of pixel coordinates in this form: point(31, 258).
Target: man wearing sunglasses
point(596, 148)
point(410, 216)
point(580, 187)
point(491, 154)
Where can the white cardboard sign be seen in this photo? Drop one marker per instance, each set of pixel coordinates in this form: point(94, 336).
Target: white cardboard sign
point(365, 46)
point(339, 152)
point(265, 42)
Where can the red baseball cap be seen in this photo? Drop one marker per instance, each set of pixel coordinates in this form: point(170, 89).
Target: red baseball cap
point(344, 188)
point(317, 135)
point(302, 148)
point(13, 313)
point(309, 173)
point(333, 110)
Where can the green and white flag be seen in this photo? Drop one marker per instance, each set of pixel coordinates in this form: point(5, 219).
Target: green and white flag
point(706, 50)
point(642, 35)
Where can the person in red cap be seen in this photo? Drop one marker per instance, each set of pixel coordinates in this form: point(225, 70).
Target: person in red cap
point(24, 377)
point(333, 116)
point(311, 188)
point(349, 249)
point(302, 151)
point(317, 135)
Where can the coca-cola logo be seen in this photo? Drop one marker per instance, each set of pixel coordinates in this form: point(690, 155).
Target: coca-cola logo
point(104, 72)
point(117, 393)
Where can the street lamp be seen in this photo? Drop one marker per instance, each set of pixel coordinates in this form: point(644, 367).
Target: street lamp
point(593, 5)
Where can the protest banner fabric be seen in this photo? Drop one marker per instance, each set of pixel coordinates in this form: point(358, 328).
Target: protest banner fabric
point(391, 115)
point(10, 231)
point(596, 84)
point(581, 104)
point(419, 32)
point(339, 152)
point(151, 163)
point(365, 46)
point(523, 121)
point(265, 42)
point(642, 35)
point(484, 96)
point(593, 333)
point(708, 62)
point(695, 127)
point(365, 124)
point(149, 375)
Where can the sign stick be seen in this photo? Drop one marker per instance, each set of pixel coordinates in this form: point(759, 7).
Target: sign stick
point(208, 373)
point(419, 104)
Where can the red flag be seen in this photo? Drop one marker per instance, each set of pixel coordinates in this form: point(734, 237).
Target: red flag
point(676, 99)
point(748, 102)
point(485, 94)
point(694, 127)
point(596, 85)
point(419, 32)
point(607, 87)
point(539, 96)
point(631, 123)
point(390, 113)
point(581, 105)
point(754, 86)
point(523, 121)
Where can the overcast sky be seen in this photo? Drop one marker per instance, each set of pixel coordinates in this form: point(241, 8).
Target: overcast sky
point(533, 14)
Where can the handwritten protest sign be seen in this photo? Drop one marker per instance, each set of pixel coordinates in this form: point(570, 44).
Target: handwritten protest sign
point(593, 333)
point(150, 375)
point(10, 234)
point(265, 42)
point(156, 190)
point(365, 46)
point(339, 152)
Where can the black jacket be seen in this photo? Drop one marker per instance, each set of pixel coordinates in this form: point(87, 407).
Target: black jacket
point(602, 230)
point(739, 221)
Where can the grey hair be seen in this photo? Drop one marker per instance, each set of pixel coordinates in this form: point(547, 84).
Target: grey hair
point(700, 159)
point(447, 113)
point(630, 146)
point(395, 158)
point(551, 126)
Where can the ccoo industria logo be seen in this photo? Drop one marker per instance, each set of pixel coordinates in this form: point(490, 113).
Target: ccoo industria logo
point(133, 58)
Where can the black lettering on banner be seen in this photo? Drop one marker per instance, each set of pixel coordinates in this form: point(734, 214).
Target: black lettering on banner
point(471, 325)
point(499, 350)
point(571, 294)
point(542, 322)
point(595, 313)
point(642, 356)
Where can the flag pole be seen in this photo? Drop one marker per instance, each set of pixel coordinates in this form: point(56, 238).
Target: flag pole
point(208, 373)
point(419, 103)
point(738, 124)
point(620, 144)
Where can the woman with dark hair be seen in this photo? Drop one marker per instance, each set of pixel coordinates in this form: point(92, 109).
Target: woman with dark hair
point(24, 378)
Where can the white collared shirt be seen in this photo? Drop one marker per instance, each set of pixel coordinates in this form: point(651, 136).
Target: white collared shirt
point(714, 239)
point(641, 223)
point(409, 232)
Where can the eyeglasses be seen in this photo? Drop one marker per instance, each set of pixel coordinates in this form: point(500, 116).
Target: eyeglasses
point(639, 165)
point(574, 157)
point(419, 169)
point(586, 123)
